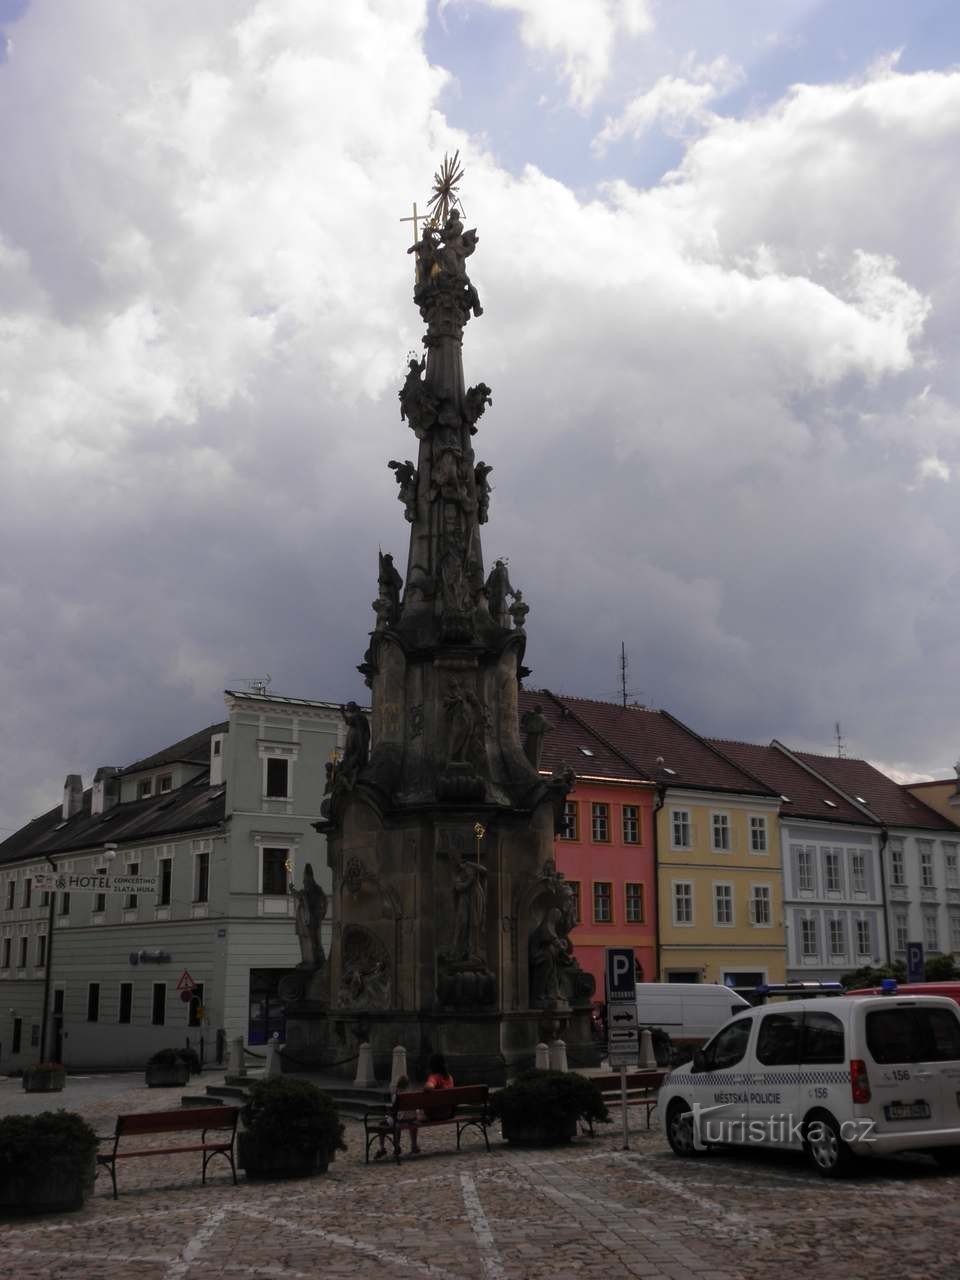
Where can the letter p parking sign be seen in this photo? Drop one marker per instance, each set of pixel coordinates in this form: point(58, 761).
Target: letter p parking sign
point(621, 979)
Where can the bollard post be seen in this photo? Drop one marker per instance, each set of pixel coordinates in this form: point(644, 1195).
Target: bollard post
point(543, 1057)
point(648, 1059)
point(558, 1055)
point(235, 1065)
point(365, 1079)
point(398, 1067)
point(274, 1066)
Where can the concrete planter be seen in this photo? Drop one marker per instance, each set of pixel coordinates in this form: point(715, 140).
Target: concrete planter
point(46, 1192)
point(530, 1133)
point(275, 1162)
point(37, 1080)
point(164, 1077)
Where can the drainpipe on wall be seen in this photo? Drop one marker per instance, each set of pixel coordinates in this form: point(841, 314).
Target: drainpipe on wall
point(884, 837)
point(661, 795)
point(48, 970)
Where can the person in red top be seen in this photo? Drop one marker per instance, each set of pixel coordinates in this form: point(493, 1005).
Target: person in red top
point(439, 1077)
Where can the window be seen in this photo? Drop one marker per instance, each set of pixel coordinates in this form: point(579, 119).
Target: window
point(864, 940)
point(22, 952)
point(64, 904)
point(950, 866)
point(778, 1041)
point(571, 826)
point(17, 1033)
point(833, 873)
point(600, 822)
point(900, 934)
point(144, 788)
point(681, 829)
point(278, 774)
point(760, 904)
point(45, 898)
point(201, 877)
point(721, 831)
point(165, 867)
point(858, 872)
point(931, 936)
point(926, 865)
point(195, 1012)
point(900, 1034)
point(125, 1009)
point(131, 900)
point(822, 1038)
point(27, 892)
point(11, 894)
point(159, 1013)
point(804, 869)
point(896, 865)
point(218, 746)
point(6, 954)
point(808, 936)
point(682, 902)
point(575, 890)
point(634, 903)
point(41, 950)
point(602, 901)
point(723, 904)
point(274, 876)
point(166, 782)
point(758, 835)
point(838, 941)
point(93, 1002)
point(100, 899)
point(728, 1046)
point(631, 824)
point(955, 933)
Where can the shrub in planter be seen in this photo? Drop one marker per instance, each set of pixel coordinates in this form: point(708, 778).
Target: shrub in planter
point(291, 1130)
point(541, 1108)
point(192, 1059)
point(44, 1077)
point(167, 1068)
point(47, 1162)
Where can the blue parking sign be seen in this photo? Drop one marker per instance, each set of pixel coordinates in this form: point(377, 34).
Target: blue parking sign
point(621, 975)
point(916, 971)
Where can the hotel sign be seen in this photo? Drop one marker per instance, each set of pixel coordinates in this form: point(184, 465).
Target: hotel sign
point(91, 882)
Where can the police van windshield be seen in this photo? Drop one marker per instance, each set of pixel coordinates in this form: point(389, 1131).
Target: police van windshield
point(913, 1035)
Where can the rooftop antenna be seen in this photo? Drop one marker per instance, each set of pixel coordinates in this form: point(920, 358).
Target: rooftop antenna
point(841, 741)
point(626, 693)
point(256, 684)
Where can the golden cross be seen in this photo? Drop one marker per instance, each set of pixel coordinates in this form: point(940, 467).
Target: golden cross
point(415, 220)
point(479, 831)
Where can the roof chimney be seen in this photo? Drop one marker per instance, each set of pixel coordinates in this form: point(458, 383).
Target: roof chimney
point(106, 788)
point(72, 795)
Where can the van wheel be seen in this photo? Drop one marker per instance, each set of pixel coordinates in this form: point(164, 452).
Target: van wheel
point(680, 1130)
point(825, 1150)
point(947, 1157)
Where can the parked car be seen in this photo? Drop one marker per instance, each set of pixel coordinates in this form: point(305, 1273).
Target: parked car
point(689, 1012)
point(837, 1078)
point(949, 989)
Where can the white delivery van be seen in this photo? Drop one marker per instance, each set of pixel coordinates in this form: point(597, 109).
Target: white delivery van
point(835, 1077)
point(689, 1012)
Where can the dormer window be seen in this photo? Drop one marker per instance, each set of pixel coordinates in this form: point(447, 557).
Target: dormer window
point(166, 782)
point(144, 788)
point(218, 746)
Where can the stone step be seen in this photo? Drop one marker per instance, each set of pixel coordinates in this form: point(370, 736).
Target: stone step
point(226, 1093)
point(200, 1100)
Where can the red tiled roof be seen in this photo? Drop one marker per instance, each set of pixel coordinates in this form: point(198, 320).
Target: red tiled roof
point(884, 797)
point(568, 742)
point(661, 747)
point(807, 795)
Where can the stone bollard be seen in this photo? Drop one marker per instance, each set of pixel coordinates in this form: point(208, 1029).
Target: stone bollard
point(274, 1066)
point(558, 1055)
point(648, 1059)
point(543, 1057)
point(365, 1079)
point(398, 1067)
point(235, 1057)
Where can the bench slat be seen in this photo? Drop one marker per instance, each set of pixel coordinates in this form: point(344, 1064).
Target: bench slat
point(172, 1121)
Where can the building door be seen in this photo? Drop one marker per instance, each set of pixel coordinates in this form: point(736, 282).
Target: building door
point(267, 1015)
point(17, 1033)
point(57, 1053)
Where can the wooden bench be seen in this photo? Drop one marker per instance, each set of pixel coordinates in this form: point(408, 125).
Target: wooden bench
point(642, 1089)
point(466, 1106)
point(186, 1119)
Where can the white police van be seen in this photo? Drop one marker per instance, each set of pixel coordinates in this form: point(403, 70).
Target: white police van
point(838, 1077)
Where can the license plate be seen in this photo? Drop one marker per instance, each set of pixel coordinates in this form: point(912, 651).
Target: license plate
point(907, 1111)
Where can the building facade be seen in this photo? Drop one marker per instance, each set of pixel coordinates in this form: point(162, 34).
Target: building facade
point(223, 821)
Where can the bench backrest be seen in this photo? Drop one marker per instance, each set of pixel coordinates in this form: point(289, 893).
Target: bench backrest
point(442, 1104)
point(635, 1080)
point(172, 1121)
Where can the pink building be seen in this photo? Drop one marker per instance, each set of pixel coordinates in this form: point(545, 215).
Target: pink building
point(606, 851)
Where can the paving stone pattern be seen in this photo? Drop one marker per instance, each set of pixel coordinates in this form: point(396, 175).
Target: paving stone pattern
point(586, 1212)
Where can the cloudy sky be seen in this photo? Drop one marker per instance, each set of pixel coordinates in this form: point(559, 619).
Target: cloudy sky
point(719, 254)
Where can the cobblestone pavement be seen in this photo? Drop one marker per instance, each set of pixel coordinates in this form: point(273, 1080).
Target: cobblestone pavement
point(589, 1211)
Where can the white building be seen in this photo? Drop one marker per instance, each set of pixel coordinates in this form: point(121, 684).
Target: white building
point(223, 820)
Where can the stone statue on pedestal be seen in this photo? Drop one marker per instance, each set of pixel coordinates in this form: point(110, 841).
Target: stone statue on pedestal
point(534, 727)
point(470, 909)
point(311, 908)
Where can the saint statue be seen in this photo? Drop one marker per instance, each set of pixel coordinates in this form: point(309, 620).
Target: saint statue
point(534, 727)
point(547, 951)
point(498, 588)
point(470, 904)
point(464, 716)
point(357, 747)
point(311, 908)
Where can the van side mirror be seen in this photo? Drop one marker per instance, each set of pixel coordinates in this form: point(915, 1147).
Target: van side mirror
point(699, 1060)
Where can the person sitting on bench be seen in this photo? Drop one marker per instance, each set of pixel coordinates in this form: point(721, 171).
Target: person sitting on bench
point(405, 1120)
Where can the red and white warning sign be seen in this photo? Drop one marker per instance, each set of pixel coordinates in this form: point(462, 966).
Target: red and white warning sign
point(185, 982)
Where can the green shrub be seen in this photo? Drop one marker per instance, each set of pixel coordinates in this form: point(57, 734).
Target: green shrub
point(550, 1099)
point(292, 1113)
point(192, 1059)
point(54, 1144)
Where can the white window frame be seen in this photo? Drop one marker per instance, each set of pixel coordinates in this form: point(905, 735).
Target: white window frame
point(680, 819)
point(806, 859)
point(954, 932)
point(897, 866)
point(759, 842)
point(931, 932)
point(723, 893)
point(832, 858)
point(927, 879)
point(288, 751)
point(290, 851)
point(144, 788)
point(901, 931)
point(687, 887)
point(634, 823)
point(951, 867)
point(809, 940)
point(858, 871)
point(765, 895)
point(720, 824)
point(864, 927)
point(837, 929)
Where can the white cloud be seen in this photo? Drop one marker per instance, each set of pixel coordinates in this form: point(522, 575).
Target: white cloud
point(678, 104)
point(581, 34)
